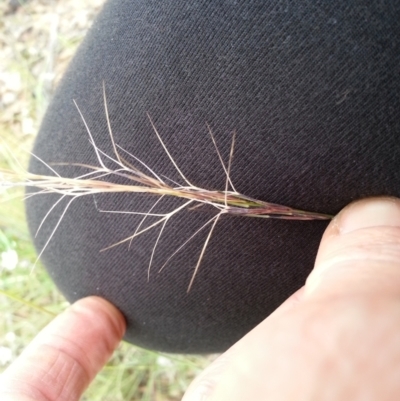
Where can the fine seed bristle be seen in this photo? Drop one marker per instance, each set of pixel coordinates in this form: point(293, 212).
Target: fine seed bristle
point(109, 123)
point(90, 135)
point(154, 249)
point(167, 152)
point(186, 242)
point(52, 233)
point(220, 159)
point(203, 251)
point(48, 213)
point(144, 218)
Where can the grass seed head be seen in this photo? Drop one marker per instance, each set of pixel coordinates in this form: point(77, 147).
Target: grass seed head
point(144, 180)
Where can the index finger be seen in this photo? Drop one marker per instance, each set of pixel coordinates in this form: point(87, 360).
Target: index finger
point(66, 355)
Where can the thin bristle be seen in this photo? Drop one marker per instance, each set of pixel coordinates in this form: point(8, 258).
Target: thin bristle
point(90, 135)
point(109, 123)
point(144, 218)
point(203, 251)
point(228, 179)
point(167, 152)
point(185, 243)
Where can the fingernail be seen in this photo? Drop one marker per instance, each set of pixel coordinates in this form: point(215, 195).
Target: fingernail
point(366, 213)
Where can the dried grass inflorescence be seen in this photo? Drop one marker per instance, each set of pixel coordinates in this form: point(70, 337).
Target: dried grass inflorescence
point(145, 180)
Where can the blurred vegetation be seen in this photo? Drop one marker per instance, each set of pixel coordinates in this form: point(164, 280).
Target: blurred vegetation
point(37, 40)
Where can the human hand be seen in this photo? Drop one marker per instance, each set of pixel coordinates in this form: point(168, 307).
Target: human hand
point(337, 338)
point(66, 355)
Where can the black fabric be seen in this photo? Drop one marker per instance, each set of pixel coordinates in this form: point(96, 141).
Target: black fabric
point(312, 89)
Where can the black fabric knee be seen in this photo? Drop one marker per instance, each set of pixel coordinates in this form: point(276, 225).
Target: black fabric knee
point(312, 89)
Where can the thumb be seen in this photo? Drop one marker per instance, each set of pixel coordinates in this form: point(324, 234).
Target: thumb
point(319, 348)
point(317, 345)
point(359, 253)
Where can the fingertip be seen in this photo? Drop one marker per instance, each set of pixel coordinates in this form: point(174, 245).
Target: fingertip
point(360, 249)
point(67, 354)
point(95, 306)
point(365, 213)
point(371, 212)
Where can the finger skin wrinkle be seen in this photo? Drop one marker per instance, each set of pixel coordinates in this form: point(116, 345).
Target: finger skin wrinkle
point(59, 376)
point(14, 390)
point(377, 239)
point(66, 375)
point(62, 360)
point(357, 256)
point(74, 351)
point(383, 252)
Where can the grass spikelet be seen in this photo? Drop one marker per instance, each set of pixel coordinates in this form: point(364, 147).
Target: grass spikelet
point(144, 180)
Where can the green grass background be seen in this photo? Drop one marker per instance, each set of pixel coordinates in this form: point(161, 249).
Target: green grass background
point(37, 40)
